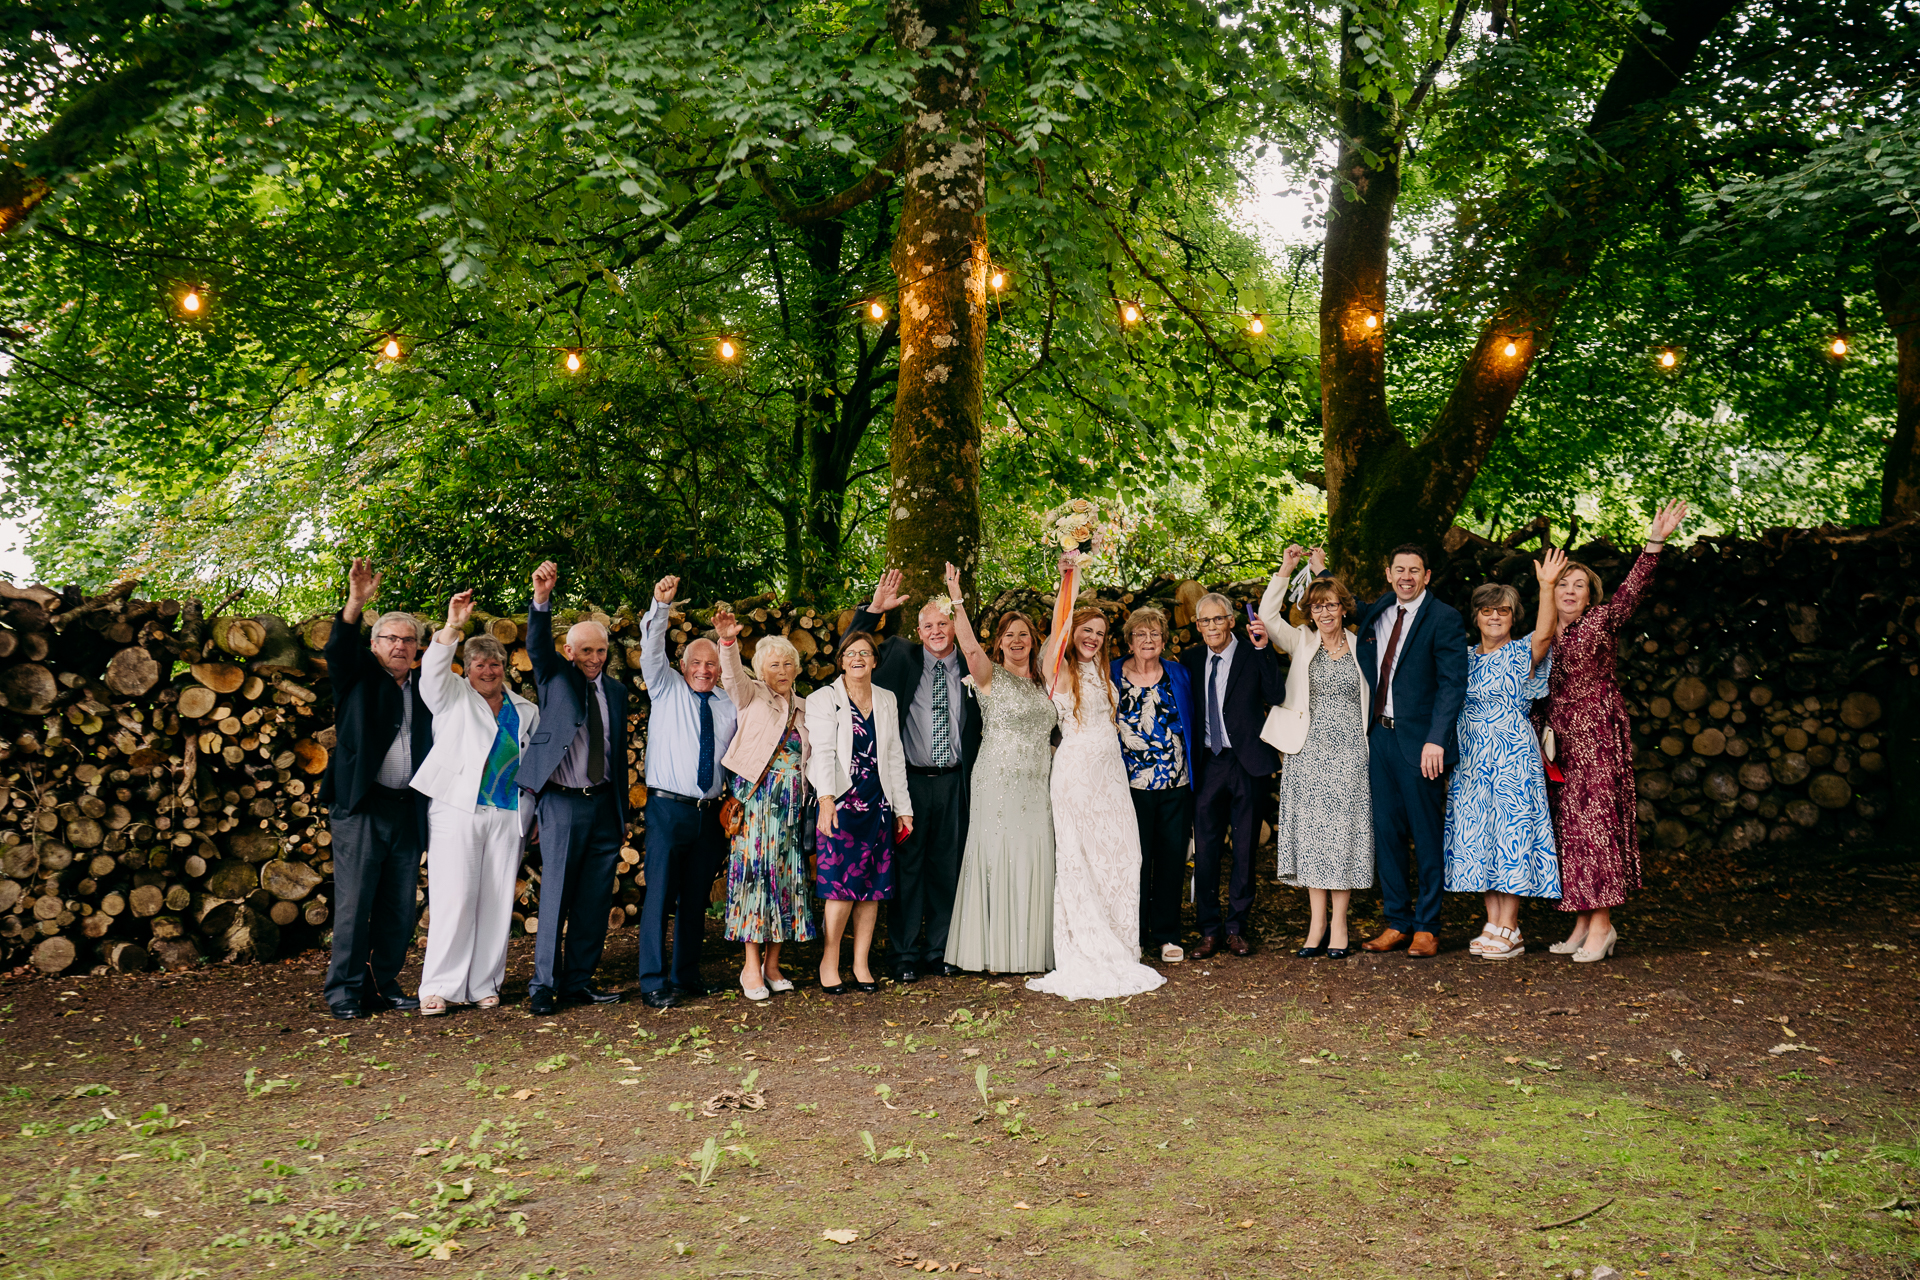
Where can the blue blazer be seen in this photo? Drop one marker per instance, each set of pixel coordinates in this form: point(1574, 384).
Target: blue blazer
point(1429, 676)
point(1254, 684)
point(1182, 701)
point(563, 710)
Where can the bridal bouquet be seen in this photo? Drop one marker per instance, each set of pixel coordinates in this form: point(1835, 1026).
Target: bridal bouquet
point(1074, 525)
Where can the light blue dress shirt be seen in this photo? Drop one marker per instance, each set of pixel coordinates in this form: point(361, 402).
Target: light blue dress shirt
point(673, 725)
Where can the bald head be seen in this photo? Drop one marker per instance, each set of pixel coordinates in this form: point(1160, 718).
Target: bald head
point(587, 644)
point(700, 664)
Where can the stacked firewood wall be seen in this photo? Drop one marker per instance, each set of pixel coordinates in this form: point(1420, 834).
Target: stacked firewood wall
point(159, 768)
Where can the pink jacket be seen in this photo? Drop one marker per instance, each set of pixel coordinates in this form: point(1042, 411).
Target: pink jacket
point(763, 721)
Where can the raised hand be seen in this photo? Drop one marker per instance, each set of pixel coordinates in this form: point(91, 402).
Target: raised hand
point(1549, 567)
point(1068, 560)
point(363, 584)
point(1317, 559)
point(1291, 559)
point(1257, 632)
point(543, 579)
point(665, 589)
point(725, 625)
point(887, 595)
point(1667, 522)
point(459, 609)
point(953, 583)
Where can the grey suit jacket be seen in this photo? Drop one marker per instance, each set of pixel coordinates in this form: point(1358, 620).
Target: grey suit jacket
point(563, 710)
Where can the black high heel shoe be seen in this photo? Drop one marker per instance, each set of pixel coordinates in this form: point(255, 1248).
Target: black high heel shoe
point(1339, 953)
point(1310, 953)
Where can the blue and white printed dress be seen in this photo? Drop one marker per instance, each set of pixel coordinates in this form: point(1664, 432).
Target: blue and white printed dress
point(1499, 830)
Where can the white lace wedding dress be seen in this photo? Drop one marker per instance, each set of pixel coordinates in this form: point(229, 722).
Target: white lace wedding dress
point(1096, 887)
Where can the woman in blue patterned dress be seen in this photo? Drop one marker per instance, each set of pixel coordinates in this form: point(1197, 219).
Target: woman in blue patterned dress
point(766, 873)
point(1499, 829)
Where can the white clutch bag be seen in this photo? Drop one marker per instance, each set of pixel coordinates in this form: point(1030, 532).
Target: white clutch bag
point(1285, 730)
point(1549, 749)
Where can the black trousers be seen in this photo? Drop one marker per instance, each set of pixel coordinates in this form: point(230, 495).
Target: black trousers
point(1165, 819)
point(579, 851)
point(926, 869)
point(376, 882)
point(684, 848)
point(1224, 826)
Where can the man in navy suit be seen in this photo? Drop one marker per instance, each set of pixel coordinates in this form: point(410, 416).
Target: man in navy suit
point(1233, 684)
point(1413, 651)
point(577, 765)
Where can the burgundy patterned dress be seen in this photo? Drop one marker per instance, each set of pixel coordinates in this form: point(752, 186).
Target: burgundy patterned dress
point(1593, 810)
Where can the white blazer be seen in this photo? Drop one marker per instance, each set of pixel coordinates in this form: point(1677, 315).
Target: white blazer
point(463, 729)
point(1287, 724)
point(830, 728)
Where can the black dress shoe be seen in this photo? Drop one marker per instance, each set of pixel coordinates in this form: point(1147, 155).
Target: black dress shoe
point(906, 973)
point(697, 991)
point(1309, 953)
point(402, 1004)
point(665, 998)
point(347, 1012)
point(1339, 953)
point(592, 995)
point(950, 970)
point(541, 1004)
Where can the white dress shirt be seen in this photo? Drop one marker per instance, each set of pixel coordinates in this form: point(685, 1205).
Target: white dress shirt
point(396, 769)
point(1219, 694)
point(1383, 632)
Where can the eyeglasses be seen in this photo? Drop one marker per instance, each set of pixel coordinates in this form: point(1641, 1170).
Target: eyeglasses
point(1324, 606)
point(399, 639)
point(1216, 620)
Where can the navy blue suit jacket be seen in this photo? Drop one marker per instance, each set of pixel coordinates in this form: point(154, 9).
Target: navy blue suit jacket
point(1254, 684)
point(563, 710)
point(1429, 676)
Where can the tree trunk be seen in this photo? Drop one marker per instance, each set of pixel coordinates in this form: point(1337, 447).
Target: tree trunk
point(1381, 490)
point(1898, 284)
point(940, 261)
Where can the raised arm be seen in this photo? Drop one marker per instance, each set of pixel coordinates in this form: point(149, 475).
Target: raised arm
point(547, 664)
point(1548, 570)
point(654, 667)
point(734, 677)
point(978, 663)
point(438, 685)
point(1062, 616)
point(1273, 602)
point(349, 659)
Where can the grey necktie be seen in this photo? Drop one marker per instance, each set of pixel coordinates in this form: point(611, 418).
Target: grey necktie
point(1216, 727)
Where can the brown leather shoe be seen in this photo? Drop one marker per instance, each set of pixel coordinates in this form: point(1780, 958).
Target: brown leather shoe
point(1424, 945)
point(1390, 939)
point(1208, 946)
point(1239, 945)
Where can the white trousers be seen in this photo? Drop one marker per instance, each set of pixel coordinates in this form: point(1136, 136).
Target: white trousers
point(472, 862)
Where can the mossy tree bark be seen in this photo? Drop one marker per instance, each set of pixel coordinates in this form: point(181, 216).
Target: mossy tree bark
point(1898, 284)
point(1383, 490)
point(940, 262)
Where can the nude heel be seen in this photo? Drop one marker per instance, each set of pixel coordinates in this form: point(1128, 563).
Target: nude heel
point(1584, 956)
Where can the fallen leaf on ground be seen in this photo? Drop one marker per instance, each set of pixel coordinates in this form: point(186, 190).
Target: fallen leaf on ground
point(521, 1095)
point(840, 1235)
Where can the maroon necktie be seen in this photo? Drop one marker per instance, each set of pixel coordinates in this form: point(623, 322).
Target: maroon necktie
point(1386, 664)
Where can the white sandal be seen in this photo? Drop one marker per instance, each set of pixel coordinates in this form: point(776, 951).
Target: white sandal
point(1506, 946)
point(431, 1006)
point(1170, 953)
point(489, 1002)
point(1488, 940)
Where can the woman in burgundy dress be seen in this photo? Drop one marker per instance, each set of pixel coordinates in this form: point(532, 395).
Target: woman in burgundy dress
point(1593, 810)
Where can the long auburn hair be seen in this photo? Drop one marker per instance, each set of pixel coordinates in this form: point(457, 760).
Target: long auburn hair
point(1006, 620)
point(1070, 658)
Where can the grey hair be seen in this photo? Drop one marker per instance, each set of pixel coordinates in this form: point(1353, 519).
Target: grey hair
point(1213, 597)
point(771, 647)
point(397, 615)
point(484, 647)
point(605, 638)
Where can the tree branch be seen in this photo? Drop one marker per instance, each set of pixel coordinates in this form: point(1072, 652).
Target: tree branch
point(876, 180)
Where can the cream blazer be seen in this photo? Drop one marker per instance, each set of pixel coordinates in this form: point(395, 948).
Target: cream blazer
point(463, 731)
point(830, 725)
point(1288, 723)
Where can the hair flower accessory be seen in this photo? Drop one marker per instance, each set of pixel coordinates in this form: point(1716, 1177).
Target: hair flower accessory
point(942, 602)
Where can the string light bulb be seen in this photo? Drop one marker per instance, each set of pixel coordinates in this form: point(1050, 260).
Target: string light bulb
point(1130, 313)
point(727, 350)
point(573, 361)
point(1839, 347)
point(877, 309)
point(998, 280)
point(392, 349)
point(1373, 322)
point(190, 301)
point(1256, 325)
point(1668, 358)
point(1511, 350)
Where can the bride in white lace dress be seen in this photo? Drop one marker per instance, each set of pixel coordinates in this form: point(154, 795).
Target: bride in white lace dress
point(1096, 887)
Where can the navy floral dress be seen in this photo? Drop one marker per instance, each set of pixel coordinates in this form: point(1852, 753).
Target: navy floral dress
point(855, 863)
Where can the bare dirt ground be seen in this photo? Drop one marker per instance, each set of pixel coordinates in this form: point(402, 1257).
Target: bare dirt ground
point(1737, 1093)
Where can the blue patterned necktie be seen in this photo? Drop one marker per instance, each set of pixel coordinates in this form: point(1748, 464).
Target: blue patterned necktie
point(706, 742)
point(1216, 728)
point(942, 718)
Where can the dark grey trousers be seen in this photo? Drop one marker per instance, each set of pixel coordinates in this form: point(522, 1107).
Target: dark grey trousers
point(926, 870)
point(376, 877)
point(579, 851)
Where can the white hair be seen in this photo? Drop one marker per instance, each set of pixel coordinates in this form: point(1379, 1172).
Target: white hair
point(769, 648)
point(688, 651)
point(589, 624)
point(413, 623)
point(1213, 597)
